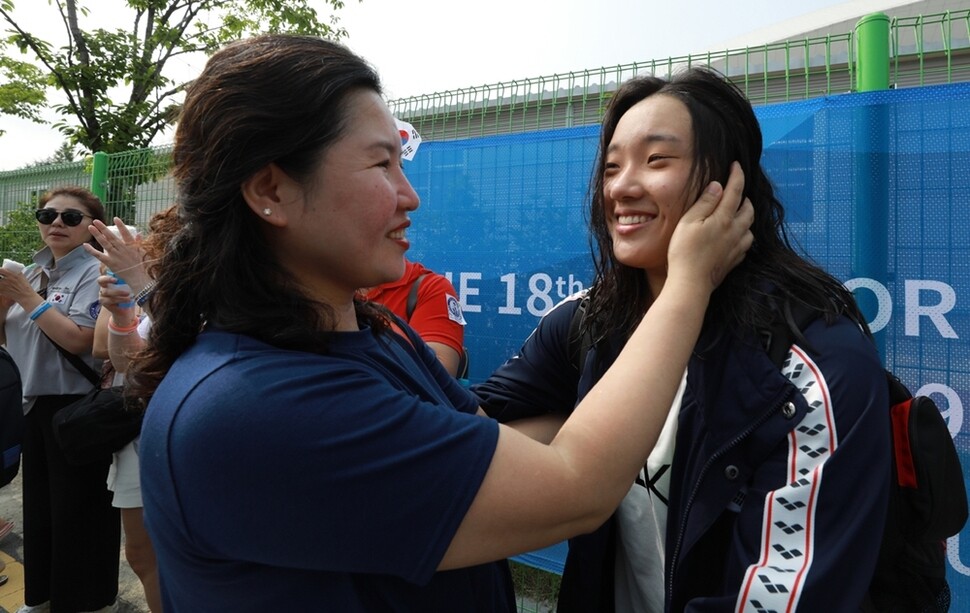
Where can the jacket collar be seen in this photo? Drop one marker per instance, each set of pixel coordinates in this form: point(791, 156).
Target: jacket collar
point(45, 259)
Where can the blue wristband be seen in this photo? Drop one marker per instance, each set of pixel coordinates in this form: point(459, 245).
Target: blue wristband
point(121, 283)
point(43, 306)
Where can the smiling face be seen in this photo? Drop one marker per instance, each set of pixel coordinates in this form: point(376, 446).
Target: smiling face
point(646, 176)
point(60, 237)
point(346, 230)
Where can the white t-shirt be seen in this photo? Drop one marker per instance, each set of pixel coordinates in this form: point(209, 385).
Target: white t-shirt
point(641, 524)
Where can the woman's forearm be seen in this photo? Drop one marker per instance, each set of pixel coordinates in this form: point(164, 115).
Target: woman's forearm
point(62, 330)
point(534, 494)
point(122, 345)
point(619, 421)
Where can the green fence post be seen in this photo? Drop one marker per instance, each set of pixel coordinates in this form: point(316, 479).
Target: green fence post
point(871, 223)
point(872, 56)
point(99, 175)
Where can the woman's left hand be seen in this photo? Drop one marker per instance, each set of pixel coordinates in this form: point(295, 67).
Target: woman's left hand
point(118, 300)
point(122, 254)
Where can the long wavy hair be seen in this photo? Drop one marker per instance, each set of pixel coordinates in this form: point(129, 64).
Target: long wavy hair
point(725, 129)
point(162, 227)
point(271, 99)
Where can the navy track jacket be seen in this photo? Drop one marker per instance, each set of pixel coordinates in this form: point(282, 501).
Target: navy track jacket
point(780, 477)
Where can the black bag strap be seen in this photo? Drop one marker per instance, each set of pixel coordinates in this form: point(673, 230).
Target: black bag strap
point(77, 363)
point(791, 317)
point(580, 335)
point(413, 297)
point(462, 371)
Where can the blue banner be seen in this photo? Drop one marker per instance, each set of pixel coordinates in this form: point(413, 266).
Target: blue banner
point(876, 188)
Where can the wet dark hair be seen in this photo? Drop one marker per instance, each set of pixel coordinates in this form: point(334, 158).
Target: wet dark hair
point(725, 129)
point(278, 99)
point(86, 197)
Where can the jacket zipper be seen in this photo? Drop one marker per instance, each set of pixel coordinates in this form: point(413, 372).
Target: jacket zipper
point(693, 495)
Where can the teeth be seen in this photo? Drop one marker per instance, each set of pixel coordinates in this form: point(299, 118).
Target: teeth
point(632, 219)
point(396, 235)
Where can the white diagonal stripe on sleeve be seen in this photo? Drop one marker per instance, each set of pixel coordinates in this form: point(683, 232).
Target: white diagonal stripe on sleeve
point(775, 582)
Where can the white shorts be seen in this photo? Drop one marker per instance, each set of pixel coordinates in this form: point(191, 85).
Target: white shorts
point(123, 478)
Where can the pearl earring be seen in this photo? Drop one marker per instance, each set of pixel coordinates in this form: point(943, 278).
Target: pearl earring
point(267, 211)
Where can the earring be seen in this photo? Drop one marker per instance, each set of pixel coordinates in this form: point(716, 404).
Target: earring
point(267, 211)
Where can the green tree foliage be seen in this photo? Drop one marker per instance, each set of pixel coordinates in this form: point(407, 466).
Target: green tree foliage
point(118, 93)
point(22, 89)
point(19, 237)
point(63, 154)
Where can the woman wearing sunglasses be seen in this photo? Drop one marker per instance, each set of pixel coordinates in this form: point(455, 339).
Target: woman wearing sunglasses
point(71, 532)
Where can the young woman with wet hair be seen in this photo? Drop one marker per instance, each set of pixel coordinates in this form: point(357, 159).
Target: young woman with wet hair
point(754, 496)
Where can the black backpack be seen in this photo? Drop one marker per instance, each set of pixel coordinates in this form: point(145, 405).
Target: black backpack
point(462, 372)
point(11, 417)
point(927, 500)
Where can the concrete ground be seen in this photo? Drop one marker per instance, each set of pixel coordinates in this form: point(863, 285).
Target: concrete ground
point(131, 599)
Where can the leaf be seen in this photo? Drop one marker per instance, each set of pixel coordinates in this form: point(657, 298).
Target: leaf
point(119, 86)
point(22, 89)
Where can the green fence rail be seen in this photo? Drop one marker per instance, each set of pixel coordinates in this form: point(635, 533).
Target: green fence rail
point(769, 73)
point(931, 49)
point(923, 50)
point(132, 178)
point(19, 192)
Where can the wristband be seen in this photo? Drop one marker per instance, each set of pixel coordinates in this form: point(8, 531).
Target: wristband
point(146, 292)
point(119, 282)
point(116, 329)
point(43, 306)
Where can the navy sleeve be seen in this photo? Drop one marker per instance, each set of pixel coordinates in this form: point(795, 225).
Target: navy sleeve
point(460, 398)
point(541, 378)
point(822, 524)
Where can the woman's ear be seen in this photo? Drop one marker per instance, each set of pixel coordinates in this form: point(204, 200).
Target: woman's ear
point(269, 192)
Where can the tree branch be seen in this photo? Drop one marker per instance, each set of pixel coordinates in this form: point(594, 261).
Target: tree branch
point(89, 119)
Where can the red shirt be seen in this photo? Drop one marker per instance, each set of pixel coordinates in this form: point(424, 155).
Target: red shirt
point(437, 315)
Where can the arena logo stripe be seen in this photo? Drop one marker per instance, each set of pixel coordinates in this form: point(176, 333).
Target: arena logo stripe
point(788, 537)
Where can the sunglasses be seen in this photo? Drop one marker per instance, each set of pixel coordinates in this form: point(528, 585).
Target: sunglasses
point(70, 217)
